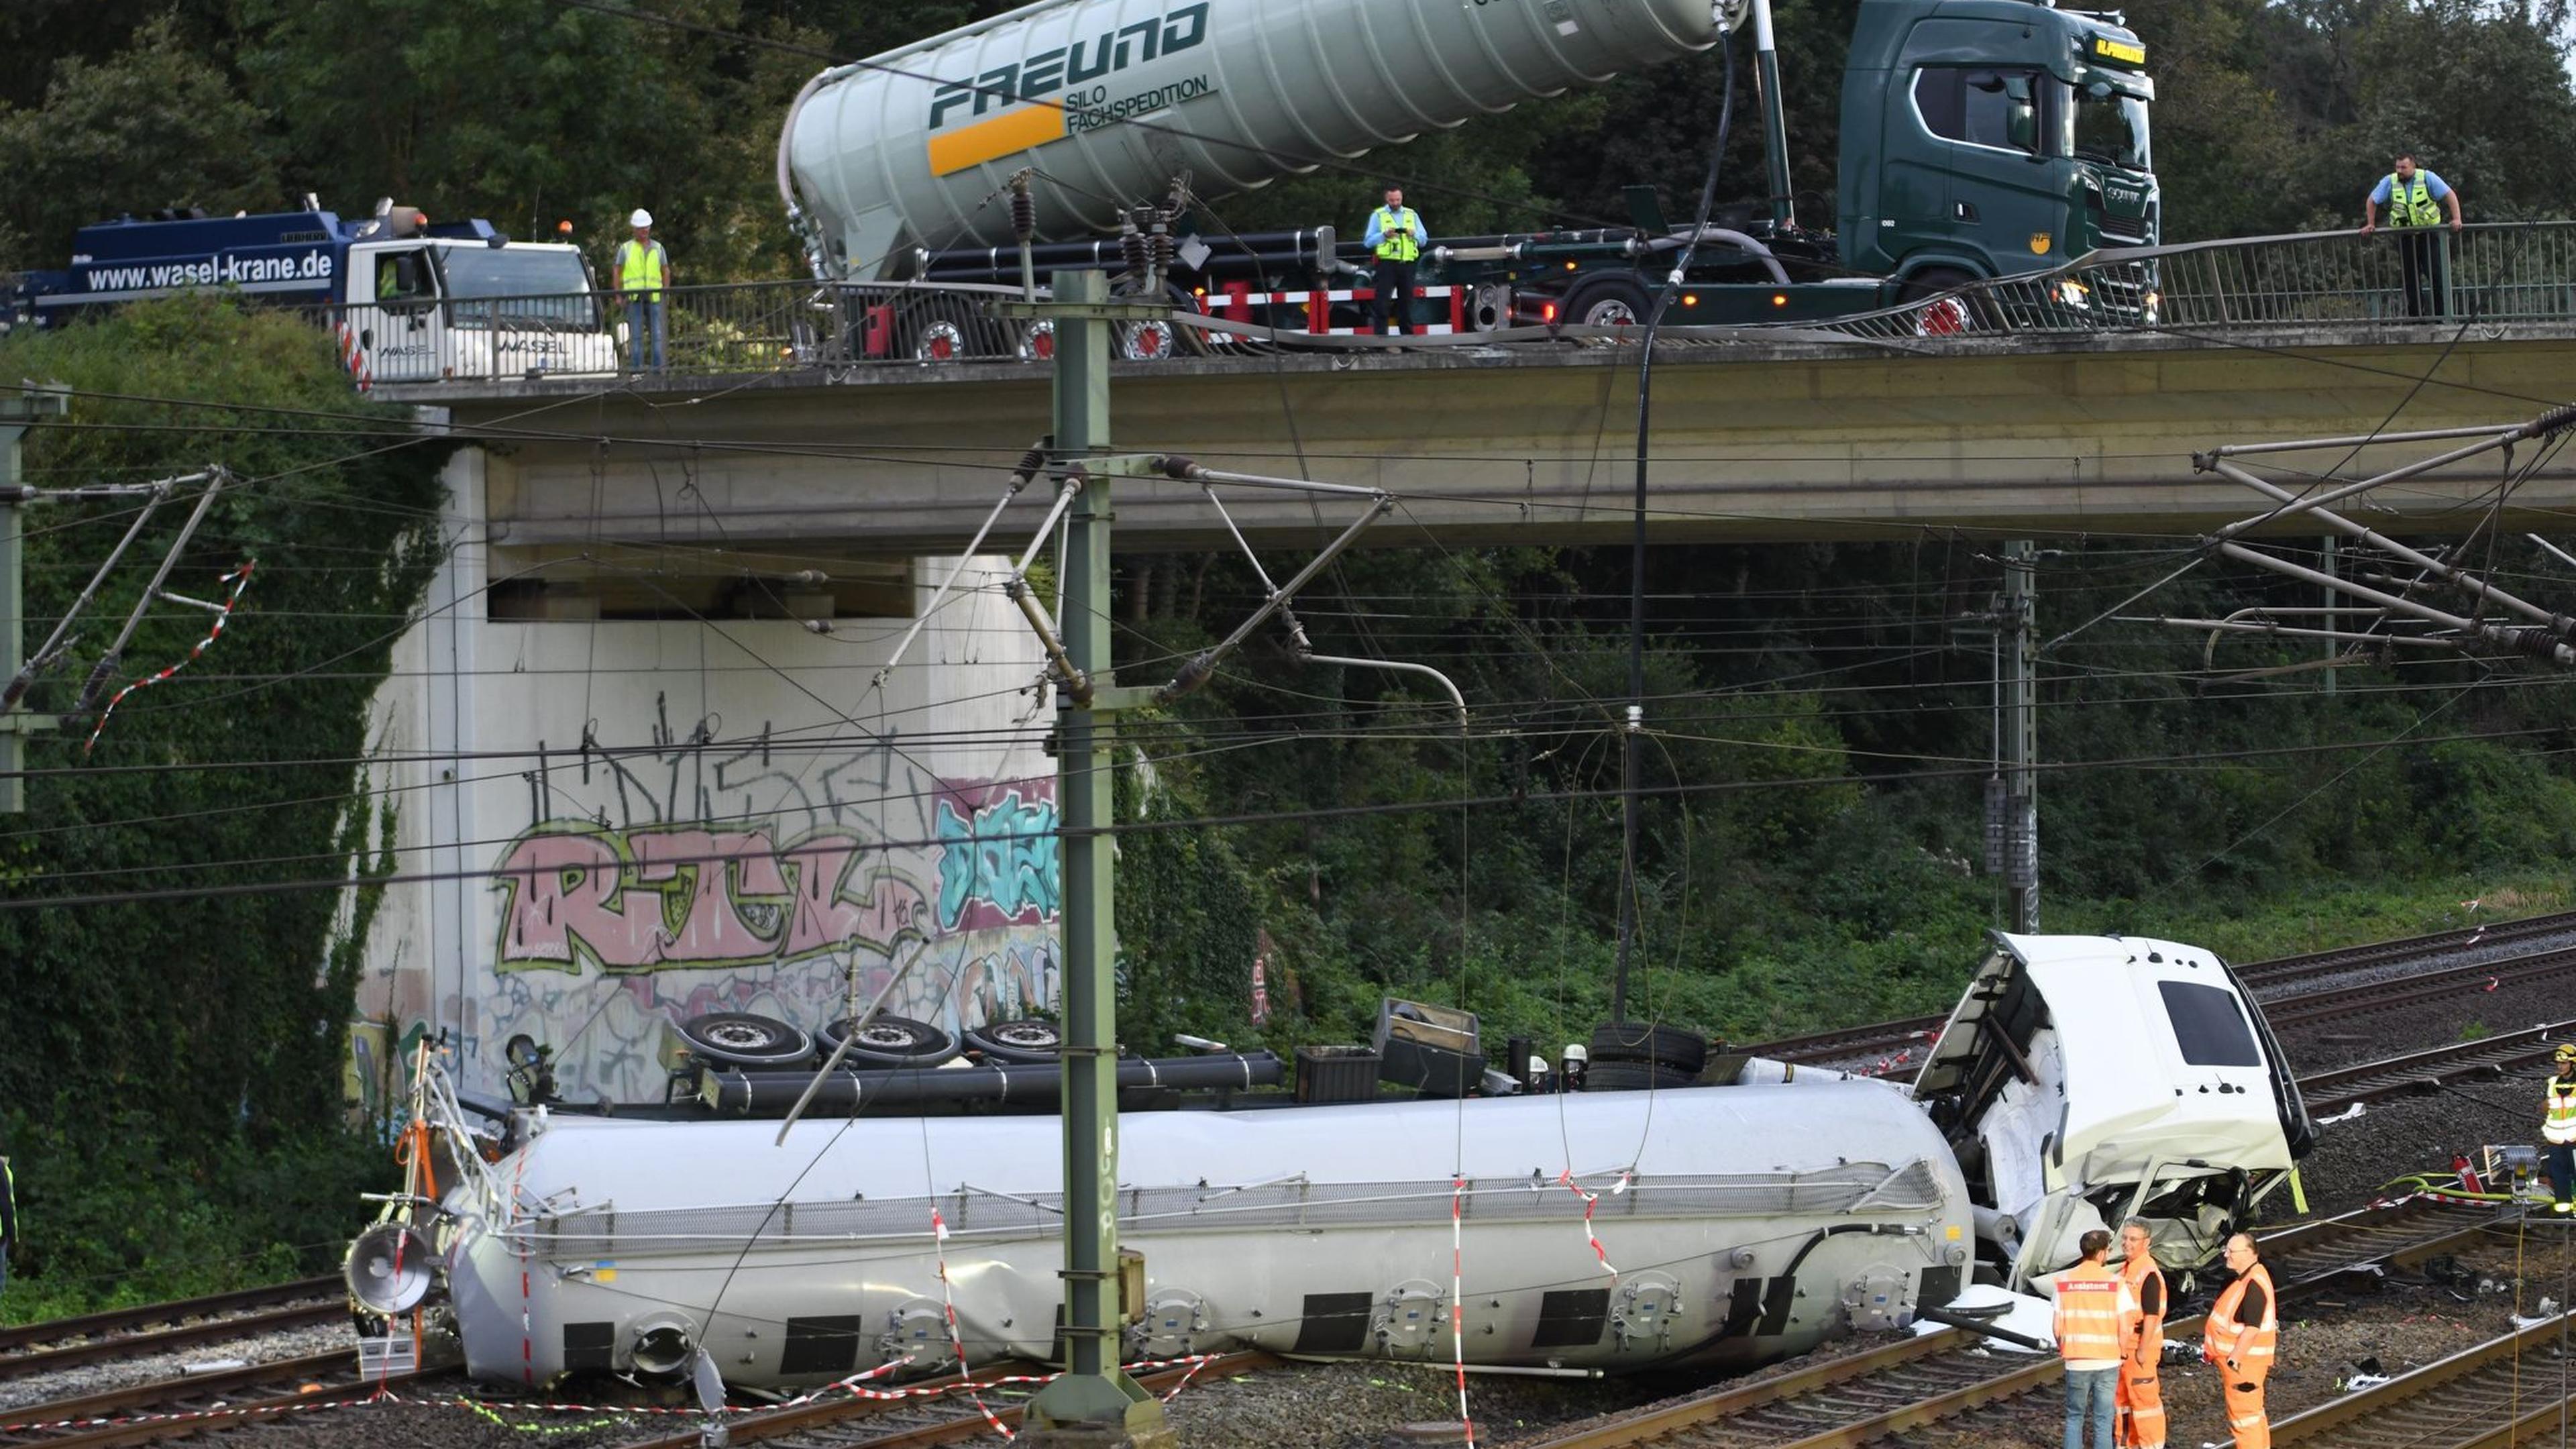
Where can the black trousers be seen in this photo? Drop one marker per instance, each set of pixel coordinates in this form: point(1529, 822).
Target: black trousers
point(2418, 252)
point(2562, 1168)
point(1394, 291)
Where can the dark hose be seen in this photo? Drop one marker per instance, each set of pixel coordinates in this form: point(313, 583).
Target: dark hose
point(1980, 1326)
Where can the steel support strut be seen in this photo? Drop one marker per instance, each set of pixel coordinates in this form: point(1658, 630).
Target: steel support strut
point(1094, 1402)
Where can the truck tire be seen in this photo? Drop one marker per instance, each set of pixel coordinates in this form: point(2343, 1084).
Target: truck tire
point(1633, 1077)
point(892, 1041)
point(1031, 1042)
point(1607, 302)
point(740, 1039)
point(937, 327)
point(1650, 1044)
point(1969, 313)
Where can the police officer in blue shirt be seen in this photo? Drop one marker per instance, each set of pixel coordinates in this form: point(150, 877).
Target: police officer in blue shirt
point(2414, 198)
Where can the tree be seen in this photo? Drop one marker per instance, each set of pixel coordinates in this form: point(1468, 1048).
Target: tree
point(153, 126)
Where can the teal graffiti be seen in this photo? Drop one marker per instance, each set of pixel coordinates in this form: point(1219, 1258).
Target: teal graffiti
point(1002, 867)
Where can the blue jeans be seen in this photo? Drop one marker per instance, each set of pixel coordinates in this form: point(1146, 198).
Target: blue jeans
point(639, 315)
point(2090, 1393)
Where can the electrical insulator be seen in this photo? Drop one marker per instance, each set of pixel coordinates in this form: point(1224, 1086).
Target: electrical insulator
point(1132, 247)
point(1024, 209)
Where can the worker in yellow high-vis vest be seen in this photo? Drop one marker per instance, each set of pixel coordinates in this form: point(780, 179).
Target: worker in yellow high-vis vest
point(2416, 199)
point(1395, 236)
point(643, 270)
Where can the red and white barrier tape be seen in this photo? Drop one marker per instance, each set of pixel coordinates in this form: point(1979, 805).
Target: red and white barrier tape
point(1592, 1200)
point(957, 1340)
point(240, 580)
point(1458, 1301)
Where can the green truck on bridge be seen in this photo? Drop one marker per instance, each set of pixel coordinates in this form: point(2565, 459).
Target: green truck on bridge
point(1980, 138)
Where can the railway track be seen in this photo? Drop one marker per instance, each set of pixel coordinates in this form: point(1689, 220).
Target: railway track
point(2428, 1070)
point(2508, 1391)
point(840, 1423)
point(176, 1408)
point(1885, 1037)
point(1916, 1382)
point(163, 1327)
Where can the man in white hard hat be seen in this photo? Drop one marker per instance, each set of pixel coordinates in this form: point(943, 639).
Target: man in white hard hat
point(643, 270)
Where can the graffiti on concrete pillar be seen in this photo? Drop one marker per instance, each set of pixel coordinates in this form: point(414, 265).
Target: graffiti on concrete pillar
point(998, 860)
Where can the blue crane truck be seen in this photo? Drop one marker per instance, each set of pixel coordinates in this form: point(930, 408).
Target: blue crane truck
point(414, 300)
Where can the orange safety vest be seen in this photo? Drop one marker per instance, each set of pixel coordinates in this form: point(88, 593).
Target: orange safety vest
point(2249, 1344)
point(2135, 1273)
point(2096, 1313)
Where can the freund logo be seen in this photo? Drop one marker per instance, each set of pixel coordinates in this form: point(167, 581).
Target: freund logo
point(1050, 71)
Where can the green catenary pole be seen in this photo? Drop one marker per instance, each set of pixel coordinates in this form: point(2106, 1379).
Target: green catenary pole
point(17, 414)
point(1094, 1402)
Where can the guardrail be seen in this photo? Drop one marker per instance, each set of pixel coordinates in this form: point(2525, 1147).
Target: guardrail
point(2491, 273)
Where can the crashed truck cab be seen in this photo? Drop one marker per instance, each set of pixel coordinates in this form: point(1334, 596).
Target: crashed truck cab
point(2085, 1080)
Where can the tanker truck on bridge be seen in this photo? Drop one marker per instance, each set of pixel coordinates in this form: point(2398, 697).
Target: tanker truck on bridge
point(1979, 138)
point(1691, 1207)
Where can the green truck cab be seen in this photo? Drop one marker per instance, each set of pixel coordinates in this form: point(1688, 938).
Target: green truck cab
point(1984, 138)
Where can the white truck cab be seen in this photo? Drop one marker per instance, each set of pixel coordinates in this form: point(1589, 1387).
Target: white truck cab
point(425, 308)
point(2083, 1080)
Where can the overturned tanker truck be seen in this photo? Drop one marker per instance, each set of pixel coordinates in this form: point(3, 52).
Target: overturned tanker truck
point(1738, 1219)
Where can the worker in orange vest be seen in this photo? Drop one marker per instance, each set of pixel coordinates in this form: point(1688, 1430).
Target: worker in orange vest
point(2239, 1336)
point(2142, 1400)
point(2096, 1331)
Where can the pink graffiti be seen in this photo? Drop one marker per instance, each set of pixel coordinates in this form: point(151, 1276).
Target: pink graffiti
point(693, 896)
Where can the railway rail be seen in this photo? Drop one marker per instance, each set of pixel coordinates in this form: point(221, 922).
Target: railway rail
point(176, 1408)
point(1880, 1038)
point(915, 1422)
point(2508, 1391)
point(1915, 1382)
point(2410, 1073)
point(163, 1327)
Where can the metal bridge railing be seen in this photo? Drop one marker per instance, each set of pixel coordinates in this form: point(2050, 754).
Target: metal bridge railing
point(2493, 273)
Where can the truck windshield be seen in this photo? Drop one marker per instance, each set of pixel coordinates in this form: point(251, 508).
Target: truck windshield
point(2112, 129)
point(544, 287)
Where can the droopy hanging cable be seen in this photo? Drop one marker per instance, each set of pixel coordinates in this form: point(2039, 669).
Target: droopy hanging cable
point(1629, 762)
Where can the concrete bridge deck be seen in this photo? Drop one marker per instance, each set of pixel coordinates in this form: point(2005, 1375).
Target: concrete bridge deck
point(1758, 440)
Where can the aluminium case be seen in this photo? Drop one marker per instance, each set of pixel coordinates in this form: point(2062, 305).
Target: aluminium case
point(1111, 99)
point(1745, 1223)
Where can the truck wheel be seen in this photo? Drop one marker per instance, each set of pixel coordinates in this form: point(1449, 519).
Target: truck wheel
point(892, 1041)
point(1949, 316)
point(1632, 1077)
point(740, 1039)
point(1609, 302)
point(1683, 1050)
point(936, 328)
point(1016, 1043)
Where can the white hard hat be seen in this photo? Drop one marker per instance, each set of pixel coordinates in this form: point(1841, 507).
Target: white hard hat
point(640, 218)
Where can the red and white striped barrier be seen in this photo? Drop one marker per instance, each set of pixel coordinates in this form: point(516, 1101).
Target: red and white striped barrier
point(353, 357)
point(1234, 301)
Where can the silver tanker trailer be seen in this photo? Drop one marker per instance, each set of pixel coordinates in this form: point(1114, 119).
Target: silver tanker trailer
point(1726, 1223)
point(914, 149)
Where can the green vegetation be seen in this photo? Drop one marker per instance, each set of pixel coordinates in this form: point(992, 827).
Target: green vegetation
point(176, 1118)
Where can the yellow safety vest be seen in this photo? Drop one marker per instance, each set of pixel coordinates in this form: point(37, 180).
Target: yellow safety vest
point(2412, 203)
point(639, 270)
point(1395, 234)
point(2558, 1122)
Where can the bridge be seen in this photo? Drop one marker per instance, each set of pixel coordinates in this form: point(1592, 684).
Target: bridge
point(2016, 407)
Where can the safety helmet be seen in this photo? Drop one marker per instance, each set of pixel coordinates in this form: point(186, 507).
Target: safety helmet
point(640, 218)
point(2567, 1053)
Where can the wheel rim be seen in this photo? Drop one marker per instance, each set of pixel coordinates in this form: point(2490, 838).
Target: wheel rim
point(1944, 318)
point(1032, 1035)
point(940, 342)
point(1610, 312)
point(1039, 343)
point(886, 1036)
point(740, 1036)
point(1149, 342)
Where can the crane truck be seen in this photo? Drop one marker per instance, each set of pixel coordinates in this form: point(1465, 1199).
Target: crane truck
point(416, 300)
point(1979, 138)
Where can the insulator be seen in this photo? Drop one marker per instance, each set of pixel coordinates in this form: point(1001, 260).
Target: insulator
point(1163, 247)
point(1132, 247)
point(1024, 212)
